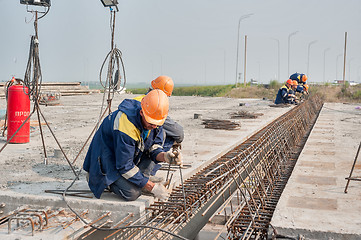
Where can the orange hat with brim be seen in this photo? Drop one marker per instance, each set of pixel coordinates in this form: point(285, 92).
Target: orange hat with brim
point(155, 107)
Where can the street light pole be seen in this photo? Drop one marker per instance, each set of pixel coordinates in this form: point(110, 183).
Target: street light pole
point(340, 55)
point(308, 57)
point(245, 60)
point(239, 23)
point(278, 51)
point(324, 63)
point(289, 40)
point(344, 60)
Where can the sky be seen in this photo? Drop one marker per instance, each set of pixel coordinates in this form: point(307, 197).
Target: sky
point(194, 42)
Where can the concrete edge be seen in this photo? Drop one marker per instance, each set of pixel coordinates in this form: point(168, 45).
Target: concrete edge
point(313, 234)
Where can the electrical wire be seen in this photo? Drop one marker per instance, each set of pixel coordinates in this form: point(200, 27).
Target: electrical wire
point(46, 12)
point(33, 76)
point(115, 67)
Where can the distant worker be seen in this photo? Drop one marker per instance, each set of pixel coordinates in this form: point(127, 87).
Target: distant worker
point(305, 92)
point(299, 77)
point(305, 88)
point(174, 133)
point(114, 158)
point(292, 93)
point(283, 93)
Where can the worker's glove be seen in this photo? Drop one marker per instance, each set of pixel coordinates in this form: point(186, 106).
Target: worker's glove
point(173, 157)
point(169, 156)
point(159, 191)
point(178, 159)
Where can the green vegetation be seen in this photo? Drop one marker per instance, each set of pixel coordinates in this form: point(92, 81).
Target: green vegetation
point(137, 90)
point(205, 91)
point(209, 91)
point(274, 84)
point(348, 92)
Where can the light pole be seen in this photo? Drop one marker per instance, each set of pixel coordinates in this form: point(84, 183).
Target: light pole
point(308, 57)
point(278, 51)
point(289, 40)
point(340, 55)
point(324, 63)
point(245, 60)
point(239, 23)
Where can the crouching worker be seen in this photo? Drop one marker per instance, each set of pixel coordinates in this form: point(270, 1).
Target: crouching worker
point(114, 158)
point(283, 96)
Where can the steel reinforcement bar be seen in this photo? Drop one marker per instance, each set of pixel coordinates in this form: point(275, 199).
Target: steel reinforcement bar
point(258, 169)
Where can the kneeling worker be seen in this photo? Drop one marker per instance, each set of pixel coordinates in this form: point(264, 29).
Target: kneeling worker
point(283, 94)
point(114, 158)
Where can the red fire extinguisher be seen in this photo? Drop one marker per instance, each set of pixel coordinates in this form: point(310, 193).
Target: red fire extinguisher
point(18, 111)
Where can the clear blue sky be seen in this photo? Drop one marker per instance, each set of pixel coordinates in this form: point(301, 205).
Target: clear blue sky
point(194, 42)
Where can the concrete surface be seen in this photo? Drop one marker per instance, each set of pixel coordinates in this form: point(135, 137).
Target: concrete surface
point(24, 177)
point(313, 203)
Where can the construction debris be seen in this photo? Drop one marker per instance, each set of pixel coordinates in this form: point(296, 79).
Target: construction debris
point(245, 115)
point(50, 98)
point(64, 88)
point(220, 124)
point(38, 219)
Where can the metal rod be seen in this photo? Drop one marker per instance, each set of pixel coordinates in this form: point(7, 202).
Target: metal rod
point(352, 168)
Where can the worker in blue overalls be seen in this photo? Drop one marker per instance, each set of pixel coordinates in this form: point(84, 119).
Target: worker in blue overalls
point(283, 93)
point(301, 78)
point(114, 157)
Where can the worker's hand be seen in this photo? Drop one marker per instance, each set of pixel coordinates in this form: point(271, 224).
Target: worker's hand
point(178, 159)
point(168, 156)
point(159, 191)
point(173, 157)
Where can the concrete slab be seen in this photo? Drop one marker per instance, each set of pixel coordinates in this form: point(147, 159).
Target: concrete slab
point(24, 176)
point(314, 204)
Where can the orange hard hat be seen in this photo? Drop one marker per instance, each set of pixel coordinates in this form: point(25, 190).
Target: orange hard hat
point(304, 78)
point(163, 83)
point(305, 86)
point(155, 106)
point(294, 82)
point(289, 81)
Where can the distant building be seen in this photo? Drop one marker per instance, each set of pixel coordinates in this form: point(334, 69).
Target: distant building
point(254, 82)
point(341, 82)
